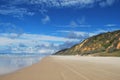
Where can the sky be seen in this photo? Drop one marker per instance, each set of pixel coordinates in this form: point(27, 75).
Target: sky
point(46, 26)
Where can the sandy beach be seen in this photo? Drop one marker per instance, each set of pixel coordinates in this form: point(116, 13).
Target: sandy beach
point(70, 68)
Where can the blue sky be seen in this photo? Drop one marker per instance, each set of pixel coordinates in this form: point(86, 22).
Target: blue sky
point(46, 26)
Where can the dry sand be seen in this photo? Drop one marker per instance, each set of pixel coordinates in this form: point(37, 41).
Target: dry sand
point(70, 68)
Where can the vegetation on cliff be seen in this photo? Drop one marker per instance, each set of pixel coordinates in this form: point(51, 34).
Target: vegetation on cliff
point(103, 44)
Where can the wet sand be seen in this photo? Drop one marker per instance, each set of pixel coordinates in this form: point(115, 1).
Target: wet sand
point(70, 68)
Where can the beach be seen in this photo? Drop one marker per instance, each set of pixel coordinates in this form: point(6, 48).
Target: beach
point(69, 68)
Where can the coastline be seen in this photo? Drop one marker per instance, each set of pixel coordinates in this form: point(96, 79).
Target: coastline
point(69, 68)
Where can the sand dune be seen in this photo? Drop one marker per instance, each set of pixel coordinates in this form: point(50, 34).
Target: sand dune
point(70, 68)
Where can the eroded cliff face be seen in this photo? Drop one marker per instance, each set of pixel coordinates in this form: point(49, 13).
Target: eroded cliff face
point(118, 45)
point(105, 42)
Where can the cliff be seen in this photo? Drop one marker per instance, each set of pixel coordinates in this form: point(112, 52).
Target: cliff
point(104, 44)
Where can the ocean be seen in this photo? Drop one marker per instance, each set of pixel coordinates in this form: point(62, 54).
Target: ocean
point(12, 62)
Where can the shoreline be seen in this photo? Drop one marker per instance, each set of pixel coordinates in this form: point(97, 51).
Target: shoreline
point(69, 68)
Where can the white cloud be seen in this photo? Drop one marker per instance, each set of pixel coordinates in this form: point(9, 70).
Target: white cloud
point(43, 51)
point(5, 41)
point(77, 23)
point(76, 32)
point(107, 3)
point(110, 2)
point(15, 11)
point(111, 25)
point(5, 38)
point(45, 19)
point(15, 8)
point(15, 41)
point(70, 3)
point(31, 43)
point(82, 35)
point(45, 38)
point(64, 3)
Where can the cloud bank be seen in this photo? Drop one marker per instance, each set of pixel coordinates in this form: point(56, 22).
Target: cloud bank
point(14, 40)
point(30, 43)
point(66, 3)
point(19, 8)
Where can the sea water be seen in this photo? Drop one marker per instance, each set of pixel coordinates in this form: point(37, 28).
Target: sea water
point(12, 62)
